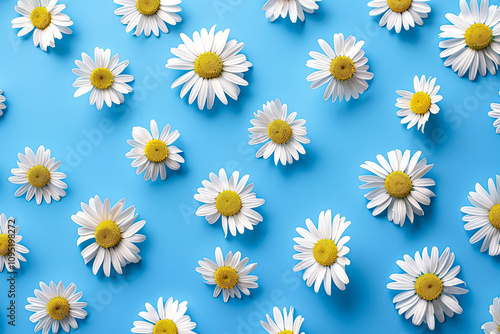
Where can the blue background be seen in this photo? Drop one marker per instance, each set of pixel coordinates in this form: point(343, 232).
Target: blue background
point(91, 144)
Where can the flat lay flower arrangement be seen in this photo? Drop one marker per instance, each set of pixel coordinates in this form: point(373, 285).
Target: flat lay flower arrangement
point(289, 166)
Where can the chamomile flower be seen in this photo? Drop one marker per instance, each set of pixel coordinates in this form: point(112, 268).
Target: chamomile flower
point(148, 15)
point(10, 249)
point(46, 17)
point(153, 152)
point(343, 68)
point(429, 287)
point(169, 318)
point(399, 185)
point(473, 39)
point(283, 323)
point(56, 306)
point(113, 234)
point(102, 78)
point(214, 65)
point(292, 8)
point(400, 13)
point(417, 107)
point(229, 275)
point(493, 327)
point(2, 105)
point(39, 177)
point(495, 113)
point(322, 252)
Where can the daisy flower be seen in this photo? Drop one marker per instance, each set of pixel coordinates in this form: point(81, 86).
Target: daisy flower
point(213, 64)
point(292, 8)
point(495, 113)
point(46, 17)
point(429, 287)
point(493, 327)
point(10, 249)
point(113, 232)
point(399, 185)
point(38, 176)
point(153, 151)
point(417, 107)
point(148, 15)
point(344, 69)
point(322, 252)
point(229, 275)
point(102, 78)
point(2, 105)
point(282, 134)
point(472, 42)
point(283, 323)
point(56, 306)
point(169, 317)
point(400, 13)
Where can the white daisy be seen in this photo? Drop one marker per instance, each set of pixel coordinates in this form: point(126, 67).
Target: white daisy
point(169, 317)
point(429, 287)
point(153, 151)
point(400, 13)
point(46, 17)
point(282, 134)
point(322, 252)
point(113, 232)
point(344, 69)
point(230, 275)
point(102, 78)
point(473, 42)
point(283, 323)
point(214, 65)
point(148, 15)
point(10, 249)
point(400, 186)
point(417, 107)
point(493, 327)
point(56, 306)
point(232, 200)
point(38, 176)
point(292, 8)
point(2, 104)
point(495, 113)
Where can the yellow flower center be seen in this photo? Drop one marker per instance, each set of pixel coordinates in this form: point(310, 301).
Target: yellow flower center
point(420, 103)
point(428, 286)
point(342, 68)
point(107, 234)
point(286, 331)
point(165, 326)
point(398, 184)
point(325, 252)
point(40, 18)
point(478, 36)
point(38, 176)
point(494, 215)
point(4, 244)
point(226, 277)
point(208, 65)
point(101, 78)
point(228, 203)
point(148, 7)
point(156, 150)
point(399, 6)
point(279, 131)
point(58, 308)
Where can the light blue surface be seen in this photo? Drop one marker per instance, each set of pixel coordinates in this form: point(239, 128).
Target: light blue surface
point(460, 141)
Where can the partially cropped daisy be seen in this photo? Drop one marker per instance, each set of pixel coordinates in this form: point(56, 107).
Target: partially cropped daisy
point(282, 134)
point(56, 306)
point(10, 248)
point(429, 287)
point(169, 318)
point(292, 8)
point(229, 275)
point(46, 17)
point(214, 65)
point(473, 39)
point(493, 327)
point(148, 15)
point(2, 105)
point(322, 252)
point(153, 152)
point(102, 78)
point(495, 113)
point(39, 177)
point(113, 234)
point(417, 107)
point(399, 185)
point(400, 13)
point(232, 200)
point(343, 68)
point(283, 323)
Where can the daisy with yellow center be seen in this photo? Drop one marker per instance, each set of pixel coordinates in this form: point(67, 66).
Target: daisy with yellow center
point(429, 287)
point(2, 104)
point(473, 39)
point(10, 248)
point(283, 323)
point(292, 8)
point(400, 13)
point(56, 306)
point(229, 275)
point(493, 327)
point(113, 232)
